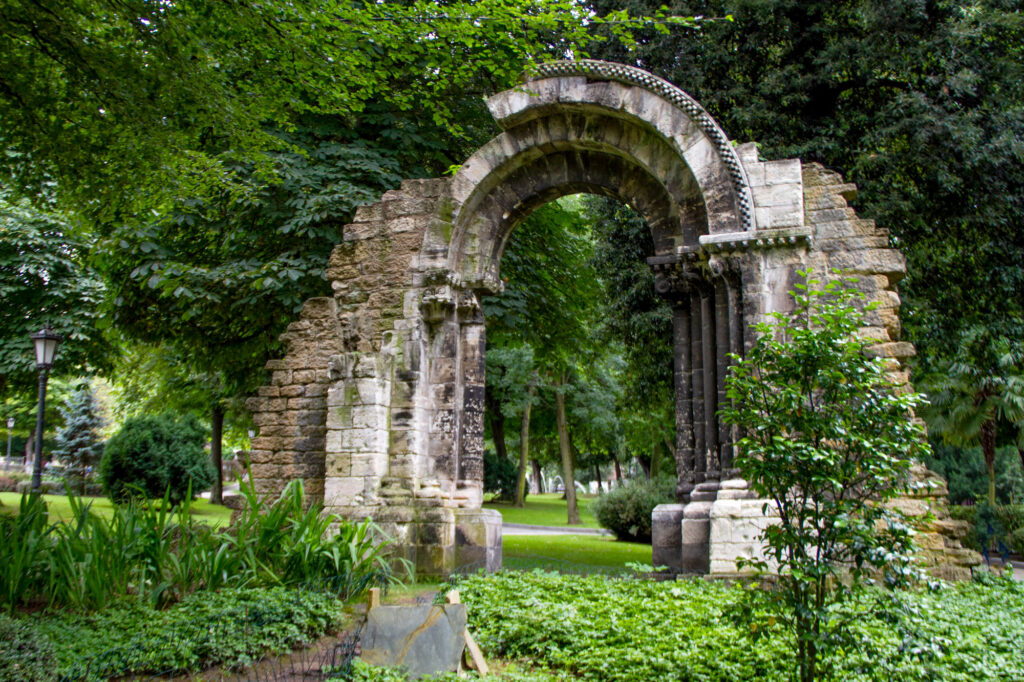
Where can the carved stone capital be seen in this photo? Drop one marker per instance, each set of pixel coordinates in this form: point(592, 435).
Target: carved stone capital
point(724, 266)
point(680, 281)
point(468, 308)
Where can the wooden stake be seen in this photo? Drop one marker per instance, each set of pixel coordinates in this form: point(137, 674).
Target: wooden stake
point(476, 656)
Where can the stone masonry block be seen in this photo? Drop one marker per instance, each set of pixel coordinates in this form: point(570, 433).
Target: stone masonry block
point(304, 376)
point(783, 172)
point(888, 262)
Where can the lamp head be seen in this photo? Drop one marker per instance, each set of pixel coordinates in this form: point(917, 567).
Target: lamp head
point(46, 341)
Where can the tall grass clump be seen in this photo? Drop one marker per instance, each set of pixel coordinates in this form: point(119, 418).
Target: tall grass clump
point(155, 553)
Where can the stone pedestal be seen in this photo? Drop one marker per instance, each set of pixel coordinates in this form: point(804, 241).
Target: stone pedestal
point(666, 538)
point(737, 520)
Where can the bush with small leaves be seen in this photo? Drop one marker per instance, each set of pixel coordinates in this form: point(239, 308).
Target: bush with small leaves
point(153, 455)
point(626, 511)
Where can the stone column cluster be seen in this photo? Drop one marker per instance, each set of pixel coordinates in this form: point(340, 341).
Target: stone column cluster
point(708, 329)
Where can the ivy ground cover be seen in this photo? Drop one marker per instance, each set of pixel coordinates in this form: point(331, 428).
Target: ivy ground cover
point(603, 628)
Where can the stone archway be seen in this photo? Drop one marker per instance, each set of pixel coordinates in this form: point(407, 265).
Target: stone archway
point(378, 401)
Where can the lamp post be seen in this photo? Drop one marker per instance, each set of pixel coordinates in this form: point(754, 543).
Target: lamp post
point(10, 425)
point(46, 341)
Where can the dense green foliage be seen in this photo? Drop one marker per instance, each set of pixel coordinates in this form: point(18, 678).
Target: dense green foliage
point(146, 551)
point(641, 321)
point(966, 473)
point(132, 105)
point(997, 529)
point(154, 455)
point(25, 656)
point(827, 440)
point(977, 398)
point(599, 628)
point(626, 510)
point(229, 627)
point(44, 277)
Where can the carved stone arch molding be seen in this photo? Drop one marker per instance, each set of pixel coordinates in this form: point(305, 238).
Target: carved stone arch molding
point(377, 402)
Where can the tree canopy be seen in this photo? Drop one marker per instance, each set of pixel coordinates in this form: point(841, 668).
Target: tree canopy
point(131, 104)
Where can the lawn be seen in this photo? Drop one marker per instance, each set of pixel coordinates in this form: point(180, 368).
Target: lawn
point(212, 514)
point(572, 553)
point(547, 509)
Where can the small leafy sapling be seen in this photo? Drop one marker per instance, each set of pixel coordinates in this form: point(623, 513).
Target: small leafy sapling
point(828, 439)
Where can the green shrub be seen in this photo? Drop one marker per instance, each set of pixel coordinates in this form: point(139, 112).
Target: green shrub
point(500, 475)
point(1011, 517)
point(626, 511)
point(154, 455)
point(25, 655)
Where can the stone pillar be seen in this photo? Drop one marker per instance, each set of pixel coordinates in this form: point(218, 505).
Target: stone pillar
point(734, 287)
point(708, 382)
point(700, 433)
point(683, 375)
point(724, 457)
point(666, 537)
point(472, 373)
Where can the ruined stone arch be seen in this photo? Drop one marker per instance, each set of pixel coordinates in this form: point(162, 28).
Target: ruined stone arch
point(378, 400)
point(609, 129)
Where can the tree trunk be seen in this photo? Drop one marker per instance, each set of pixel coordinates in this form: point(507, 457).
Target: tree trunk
point(618, 470)
point(568, 477)
point(655, 461)
point(988, 449)
point(597, 472)
point(524, 449)
point(538, 482)
point(216, 438)
point(498, 433)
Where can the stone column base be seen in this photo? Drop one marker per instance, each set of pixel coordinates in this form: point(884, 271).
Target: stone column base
point(440, 541)
point(477, 540)
point(666, 539)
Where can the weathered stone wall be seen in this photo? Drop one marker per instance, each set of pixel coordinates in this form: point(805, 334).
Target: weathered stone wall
point(369, 404)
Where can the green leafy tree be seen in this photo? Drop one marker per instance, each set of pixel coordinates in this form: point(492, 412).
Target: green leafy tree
point(550, 303)
point(828, 440)
point(78, 443)
point(978, 399)
point(130, 105)
point(219, 280)
point(44, 277)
